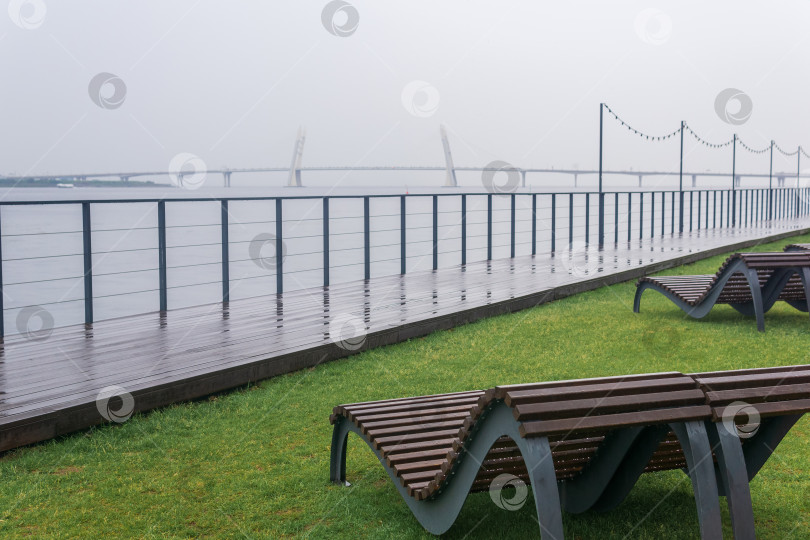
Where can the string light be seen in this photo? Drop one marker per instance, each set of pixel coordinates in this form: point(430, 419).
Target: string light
point(703, 141)
point(639, 133)
point(784, 152)
point(751, 149)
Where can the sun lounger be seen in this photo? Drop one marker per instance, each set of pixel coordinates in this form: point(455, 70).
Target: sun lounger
point(749, 282)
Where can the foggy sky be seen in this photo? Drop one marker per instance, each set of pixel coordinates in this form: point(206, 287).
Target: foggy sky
point(516, 81)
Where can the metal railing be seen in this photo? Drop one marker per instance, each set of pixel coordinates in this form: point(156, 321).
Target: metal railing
point(555, 220)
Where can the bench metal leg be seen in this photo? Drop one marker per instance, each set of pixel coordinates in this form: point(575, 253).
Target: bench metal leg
point(759, 448)
point(637, 300)
point(698, 453)
point(582, 492)
point(537, 456)
point(438, 513)
point(734, 478)
point(756, 295)
point(805, 275)
point(337, 459)
point(624, 477)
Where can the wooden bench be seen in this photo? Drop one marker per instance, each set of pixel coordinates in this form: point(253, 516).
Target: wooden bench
point(797, 247)
point(751, 283)
point(579, 444)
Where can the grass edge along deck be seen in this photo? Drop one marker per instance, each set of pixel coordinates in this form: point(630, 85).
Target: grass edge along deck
point(49, 422)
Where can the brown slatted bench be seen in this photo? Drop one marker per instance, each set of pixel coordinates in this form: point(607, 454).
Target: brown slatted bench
point(579, 444)
point(797, 247)
point(751, 283)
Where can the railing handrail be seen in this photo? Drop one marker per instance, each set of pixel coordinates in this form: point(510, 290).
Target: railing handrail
point(426, 168)
point(375, 195)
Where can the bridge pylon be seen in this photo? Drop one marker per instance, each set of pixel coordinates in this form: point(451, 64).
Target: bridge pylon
point(450, 178)
point(294, 180)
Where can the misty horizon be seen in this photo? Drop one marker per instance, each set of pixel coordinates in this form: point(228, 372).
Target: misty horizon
point(233, 84)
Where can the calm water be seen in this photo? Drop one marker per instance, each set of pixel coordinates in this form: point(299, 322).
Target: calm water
point(42, 245)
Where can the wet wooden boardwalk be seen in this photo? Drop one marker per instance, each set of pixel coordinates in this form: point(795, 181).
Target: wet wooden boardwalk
point(62, 383)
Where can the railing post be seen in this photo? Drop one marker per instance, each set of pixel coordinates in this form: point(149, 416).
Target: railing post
point(463, 229)
point(512, 225)
point(87, 251)
point(534, 223)
point(721, 208)
point(680, 184)
point(747, 207)
point(652, 214)
point(641, 215)
point(162, 256)
point(734, 182)
point(402, 254)
point(279, 247)
point(629, 216)
point(707, 210)
point(587, 218)
point(553, 222)
point(770, 187)
point(691, 209)
point(435, 232)
point(779, 203)
point(325, 241)
point(663, 212)
point(601, 193)
point(616, 218)
point(798, 179)
point(366, 238)
point(570, 220)
point(489, 226)
point(226, 288)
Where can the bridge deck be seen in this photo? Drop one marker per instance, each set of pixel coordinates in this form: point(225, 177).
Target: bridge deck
point(50, 387)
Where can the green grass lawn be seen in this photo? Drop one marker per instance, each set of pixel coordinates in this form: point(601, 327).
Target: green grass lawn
point(255, 462)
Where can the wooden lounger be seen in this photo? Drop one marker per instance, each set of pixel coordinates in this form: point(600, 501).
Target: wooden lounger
point(580, 444)
point(797, 247)
point(749, 282)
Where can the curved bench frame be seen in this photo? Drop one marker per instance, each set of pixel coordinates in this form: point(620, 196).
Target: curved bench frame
point(604, 483)
point(437, 514)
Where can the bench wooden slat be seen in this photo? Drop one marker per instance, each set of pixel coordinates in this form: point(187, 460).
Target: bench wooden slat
point(611, 404)
point(759, 394)
point(619, 388)
point(754, 380)
point(776, 408)
point(660, 416)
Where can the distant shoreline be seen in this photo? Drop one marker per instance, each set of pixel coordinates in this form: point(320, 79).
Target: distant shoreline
point(10, 182)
